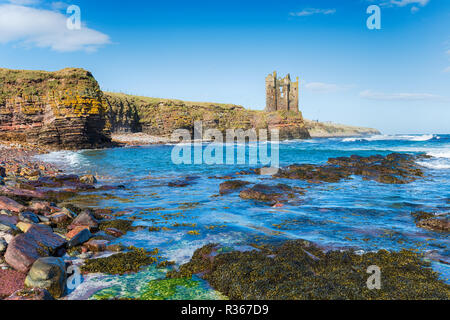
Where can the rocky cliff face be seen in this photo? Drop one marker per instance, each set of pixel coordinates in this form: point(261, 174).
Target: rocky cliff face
point(160, 117)
point(54, 110)
point(330, 129)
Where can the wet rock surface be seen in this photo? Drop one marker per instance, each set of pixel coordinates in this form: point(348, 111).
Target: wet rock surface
point(394, 168)
point(270, 194)
point(48, 273)
point(231, 186)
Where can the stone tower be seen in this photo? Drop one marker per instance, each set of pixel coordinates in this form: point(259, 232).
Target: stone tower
point(281, 93)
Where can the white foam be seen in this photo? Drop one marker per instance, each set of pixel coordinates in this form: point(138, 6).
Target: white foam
point(437, 165)
point(440, 153)
point(384, 137)
point(62, 157)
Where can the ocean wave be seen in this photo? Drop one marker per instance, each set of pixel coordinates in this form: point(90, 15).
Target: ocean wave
point(383, 137)
point(66, 158)
point(437, 165)
point(440, 153)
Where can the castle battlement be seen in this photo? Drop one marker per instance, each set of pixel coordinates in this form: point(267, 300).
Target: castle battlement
point(281, 93)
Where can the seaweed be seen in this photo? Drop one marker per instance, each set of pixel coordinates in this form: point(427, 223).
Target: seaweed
point(121, 263)
point(300, 270)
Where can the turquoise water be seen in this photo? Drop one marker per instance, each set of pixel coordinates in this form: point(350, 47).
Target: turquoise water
point(366, 215)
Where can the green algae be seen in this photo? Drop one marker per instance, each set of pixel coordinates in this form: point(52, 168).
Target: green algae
point(151, 284)
point(300, 270)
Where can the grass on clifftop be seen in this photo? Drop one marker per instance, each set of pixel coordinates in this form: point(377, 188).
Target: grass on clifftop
point(155, 101)
point(38, 84)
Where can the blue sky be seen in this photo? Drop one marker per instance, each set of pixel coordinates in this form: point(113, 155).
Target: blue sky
point(396, 79)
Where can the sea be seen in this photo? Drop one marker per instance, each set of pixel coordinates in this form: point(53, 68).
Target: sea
point(357, 214)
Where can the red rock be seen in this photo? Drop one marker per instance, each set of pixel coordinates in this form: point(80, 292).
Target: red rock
point(27, 247)
point(84, 219)
point(10, 282)
point(78, 235)
point(22, 193)
point(10, 204)
point(96, 245)
point(114, 232)
point(31, 294)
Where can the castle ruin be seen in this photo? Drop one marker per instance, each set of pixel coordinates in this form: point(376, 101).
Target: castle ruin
point(281, 93)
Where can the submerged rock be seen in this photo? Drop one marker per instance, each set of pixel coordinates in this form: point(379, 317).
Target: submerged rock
point(431, 221)
point(435, 224)
point(300, 270)
point(48, 273)
point(270, 194)
point(88, 179)
point(121, 263)
point(231, 185)
point(394, 168)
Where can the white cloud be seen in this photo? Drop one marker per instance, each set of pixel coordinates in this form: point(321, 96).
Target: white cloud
point(24, 2)
point(312, 11)
point(45, 29)
point(324, 87)
point(447, 70)
point(402, 3)
point(370, 95)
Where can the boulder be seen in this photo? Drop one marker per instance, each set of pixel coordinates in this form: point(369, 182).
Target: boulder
point(10, 204)
point(39, 241)
point(88, 179)
point(78, 235)
point(84, 219)
point(231, 185)
point(48, 273)
point(96, 245)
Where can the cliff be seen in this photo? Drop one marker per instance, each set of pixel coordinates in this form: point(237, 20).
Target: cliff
point(329, 129)
point(160, 117)
point(55, 110)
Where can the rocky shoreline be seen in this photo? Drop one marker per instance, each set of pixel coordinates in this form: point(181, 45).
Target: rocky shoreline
point(41, 238)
